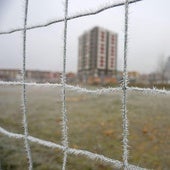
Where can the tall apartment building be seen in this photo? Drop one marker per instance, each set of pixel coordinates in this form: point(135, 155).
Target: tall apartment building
point(97, 56)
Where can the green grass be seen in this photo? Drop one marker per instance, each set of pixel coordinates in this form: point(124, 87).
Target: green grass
point(94, 125)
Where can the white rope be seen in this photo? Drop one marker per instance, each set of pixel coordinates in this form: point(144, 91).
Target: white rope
point(89, 155)
point(78, 15)
point(124, 97)
point(101, 91)
point(147, 91)
point(24, 97)
point(63, 79)
point(65, 148)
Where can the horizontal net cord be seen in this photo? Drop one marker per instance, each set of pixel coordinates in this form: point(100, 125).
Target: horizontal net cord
point(69, 87)
point(73, 151)
point(154, 90)
point(74, 16)
point(85, 90)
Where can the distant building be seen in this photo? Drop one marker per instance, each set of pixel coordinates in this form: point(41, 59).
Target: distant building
point(167, 70)
point(97, 55)
point(144, 79)
point(31, 75)
point(9, 74)
point(71, 78)
point(133, 76)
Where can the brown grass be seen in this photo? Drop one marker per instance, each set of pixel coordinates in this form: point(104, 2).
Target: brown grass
point(94, 125)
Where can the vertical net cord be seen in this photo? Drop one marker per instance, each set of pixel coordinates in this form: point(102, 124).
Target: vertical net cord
point(24, 97)
point(64, 111)
point(124, 87)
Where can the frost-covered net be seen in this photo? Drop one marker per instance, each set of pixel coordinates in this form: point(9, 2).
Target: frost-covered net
point(123, 88)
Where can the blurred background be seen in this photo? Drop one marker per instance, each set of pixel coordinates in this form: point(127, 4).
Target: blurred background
point(149, 25)
point(94, 60)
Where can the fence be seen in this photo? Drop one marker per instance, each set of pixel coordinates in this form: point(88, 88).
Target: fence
point(124, 88)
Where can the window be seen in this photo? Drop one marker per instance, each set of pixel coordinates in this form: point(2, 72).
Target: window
point(102, 49)
point(112, 39)
point(112, 62)
point(102, 36)
point(101, 61)
point(112, 51)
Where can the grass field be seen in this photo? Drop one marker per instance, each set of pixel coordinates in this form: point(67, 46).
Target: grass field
point(94, 125)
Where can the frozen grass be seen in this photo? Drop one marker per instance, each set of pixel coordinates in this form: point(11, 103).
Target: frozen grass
point(94, 125)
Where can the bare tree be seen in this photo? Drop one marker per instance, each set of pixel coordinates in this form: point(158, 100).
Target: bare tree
point(161, 68)
point(167, 70)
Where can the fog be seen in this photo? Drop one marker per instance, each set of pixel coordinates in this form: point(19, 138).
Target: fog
point(149, 33)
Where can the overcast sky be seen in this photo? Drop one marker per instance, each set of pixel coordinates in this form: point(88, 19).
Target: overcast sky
point(149, 33)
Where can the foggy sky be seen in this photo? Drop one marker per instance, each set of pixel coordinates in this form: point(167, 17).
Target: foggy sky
point(149, 33)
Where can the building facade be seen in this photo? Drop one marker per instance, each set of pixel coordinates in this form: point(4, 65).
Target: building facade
point(10, 74)
point(97, 55)
point(30, 75)
point(36, 76)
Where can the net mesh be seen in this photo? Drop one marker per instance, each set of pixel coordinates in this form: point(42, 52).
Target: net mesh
point(123, 88)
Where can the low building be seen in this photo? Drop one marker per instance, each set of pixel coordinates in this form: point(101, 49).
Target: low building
point(133, 76)
point(10, 74)
point(71, 77)
point(31, 75)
